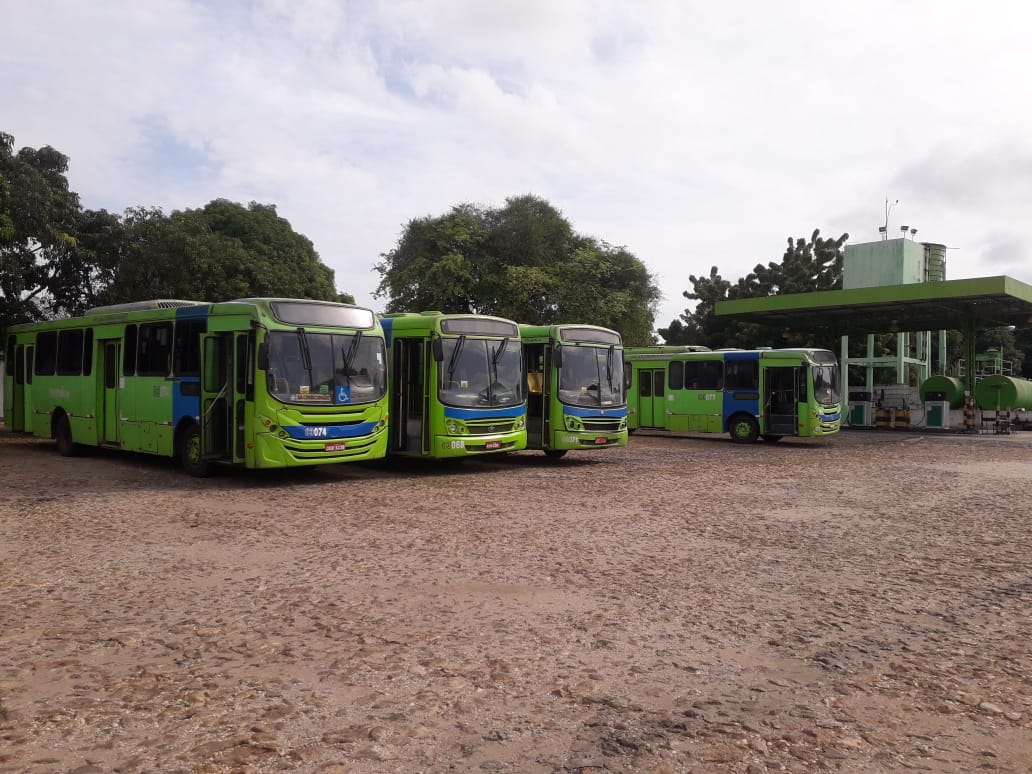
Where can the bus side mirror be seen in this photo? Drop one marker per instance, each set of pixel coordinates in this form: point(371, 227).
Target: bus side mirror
point(263, 356)
point(437, 348)
point(557, 357)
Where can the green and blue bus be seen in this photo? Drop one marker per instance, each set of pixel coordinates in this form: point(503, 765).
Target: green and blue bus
point(256, 382)
point(768, 393)
point(456, 385)
point(576, 397)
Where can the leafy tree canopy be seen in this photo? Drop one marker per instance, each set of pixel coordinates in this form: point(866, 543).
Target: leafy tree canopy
point(806, 266)
point(39, 218)
point(57, 259)
point(523, 262)
point(222, 251)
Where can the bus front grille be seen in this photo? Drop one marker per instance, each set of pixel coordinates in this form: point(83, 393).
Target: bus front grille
point(490, 426)
point(601, 424)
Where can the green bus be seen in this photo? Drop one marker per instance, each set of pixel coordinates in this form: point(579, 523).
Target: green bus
point(255, 382)
point(768, 393)
point(576, 397)
point(456, 385)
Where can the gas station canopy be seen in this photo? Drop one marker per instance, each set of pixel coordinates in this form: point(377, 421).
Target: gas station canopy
point(966, 304)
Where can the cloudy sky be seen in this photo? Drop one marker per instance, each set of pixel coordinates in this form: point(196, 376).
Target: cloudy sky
point(692, 133)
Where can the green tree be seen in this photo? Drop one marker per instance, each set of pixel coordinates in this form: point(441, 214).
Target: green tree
point(524, 262)
point(436, 265)
point(805, 267)
point(38, 222)
point(220, 252)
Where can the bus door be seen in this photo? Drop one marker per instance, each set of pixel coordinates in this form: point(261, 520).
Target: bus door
point(27, 403)
point(651, 397)
point(243, 391)
point(15, 382)
point(216, 395)
point(107, 406)
point(409, 431)
point(781, 400)
point(538, 360)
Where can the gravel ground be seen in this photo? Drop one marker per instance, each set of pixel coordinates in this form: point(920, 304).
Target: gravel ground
point(854, 604)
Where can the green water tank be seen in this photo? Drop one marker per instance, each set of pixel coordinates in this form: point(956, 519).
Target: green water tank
point(1005, 392)
point(949, 388)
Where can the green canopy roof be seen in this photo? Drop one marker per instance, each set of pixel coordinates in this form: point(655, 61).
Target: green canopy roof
point(984, 302)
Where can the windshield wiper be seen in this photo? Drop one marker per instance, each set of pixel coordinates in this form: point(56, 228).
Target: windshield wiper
point(306, 354)
point(609, 366)
point(454, 359)
point(497, 353)
point(349, 355)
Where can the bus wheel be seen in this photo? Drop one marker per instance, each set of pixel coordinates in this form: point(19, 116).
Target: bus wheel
point(555, 453)
point(744, 429)
point(66, 447)
point(772, 438)
point(190, 453)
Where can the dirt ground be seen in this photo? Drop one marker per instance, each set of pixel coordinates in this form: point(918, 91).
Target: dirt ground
point(854, 604)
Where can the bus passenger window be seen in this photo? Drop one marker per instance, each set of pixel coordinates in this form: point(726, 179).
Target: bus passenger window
point(676, 376)
point(69, 353)
point(155, 358)
point(129, 351)
point(742, 375)
point(46, 353)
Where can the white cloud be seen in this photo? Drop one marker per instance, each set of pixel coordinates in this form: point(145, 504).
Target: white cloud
point(693, 134)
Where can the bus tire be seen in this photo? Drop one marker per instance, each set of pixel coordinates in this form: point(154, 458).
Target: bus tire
point(66, 447)
point(743, 428)
point(772, 438)
point(555, 453)
point(190, 452)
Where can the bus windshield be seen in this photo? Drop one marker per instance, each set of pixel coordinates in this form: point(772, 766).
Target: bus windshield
point(826, 384)
point(591, 376)
point(328, 368)
point(481, 372)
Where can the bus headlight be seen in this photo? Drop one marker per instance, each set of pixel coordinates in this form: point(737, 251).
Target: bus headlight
point(453, 428)
point(521, 423)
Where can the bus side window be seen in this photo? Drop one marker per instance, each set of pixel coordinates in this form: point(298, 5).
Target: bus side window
point(742, 375)
point(46, 353)
point(186, 359)
point(675, 379)
point(129, 351)
point(9, 357)
point(69, 352)
point(155, 358)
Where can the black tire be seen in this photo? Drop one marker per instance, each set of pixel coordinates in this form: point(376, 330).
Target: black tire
point(743, 429)
point(772, 438)
point(555, 453)
point(190, 456)
point(66, 447)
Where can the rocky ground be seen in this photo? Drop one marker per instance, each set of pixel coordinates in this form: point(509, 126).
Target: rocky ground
point(854, 604)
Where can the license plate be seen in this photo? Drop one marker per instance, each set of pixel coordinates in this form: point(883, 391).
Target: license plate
point(493, 445)
point(600, 441)
point(337, 446)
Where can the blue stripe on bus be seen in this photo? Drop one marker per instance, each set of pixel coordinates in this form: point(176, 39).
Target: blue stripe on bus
point(319, 432)
point(387, 323)
point(573, 411)
point(830, 417)
point(483, 413)
point(185, 405)
point(189, 312)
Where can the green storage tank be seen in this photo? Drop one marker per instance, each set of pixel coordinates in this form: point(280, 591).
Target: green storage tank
point(1007, 392)
point(950, 388)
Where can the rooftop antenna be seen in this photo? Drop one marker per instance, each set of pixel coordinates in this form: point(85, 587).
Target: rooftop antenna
point(884, 230)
